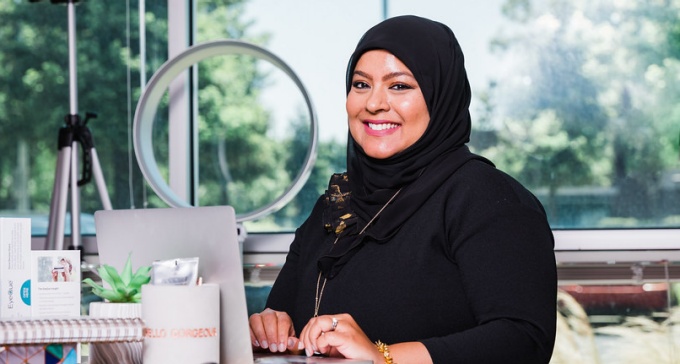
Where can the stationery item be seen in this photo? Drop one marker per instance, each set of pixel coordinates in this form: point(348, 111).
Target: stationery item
point(40, 354)
point(119, 352)
point(181, 324)
point(70, 330)
point(55, 283)
point(207, 232)
point(15, 267)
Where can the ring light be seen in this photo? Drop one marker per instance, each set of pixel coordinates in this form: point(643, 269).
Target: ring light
point(158, 85)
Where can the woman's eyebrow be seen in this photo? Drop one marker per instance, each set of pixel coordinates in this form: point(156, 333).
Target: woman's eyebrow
point(385, 77)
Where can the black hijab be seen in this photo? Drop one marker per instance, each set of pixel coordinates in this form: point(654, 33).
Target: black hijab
point(431, 52)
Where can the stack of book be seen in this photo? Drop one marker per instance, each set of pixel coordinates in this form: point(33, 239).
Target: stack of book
point(83, 329)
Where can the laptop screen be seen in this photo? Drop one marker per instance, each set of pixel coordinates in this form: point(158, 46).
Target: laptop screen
point(208, 233)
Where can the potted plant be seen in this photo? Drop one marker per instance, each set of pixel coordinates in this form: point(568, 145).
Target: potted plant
point(122, 299)
point(125, 287)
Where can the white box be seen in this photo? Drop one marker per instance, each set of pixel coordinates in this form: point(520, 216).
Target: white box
point(15, 267)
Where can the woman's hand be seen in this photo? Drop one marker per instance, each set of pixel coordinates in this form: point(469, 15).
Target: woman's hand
point(338, 335)
point(273, 330)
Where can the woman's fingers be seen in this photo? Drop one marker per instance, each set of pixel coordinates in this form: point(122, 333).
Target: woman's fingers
point(272, 330)
point(337, 335)
point(313, 334)
point(257, 331)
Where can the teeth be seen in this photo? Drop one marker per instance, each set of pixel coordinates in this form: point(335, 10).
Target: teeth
point(381, 126)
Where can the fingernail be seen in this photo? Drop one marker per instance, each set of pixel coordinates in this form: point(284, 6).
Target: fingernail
point(256, 343)
point(301, 345)
point(291, 342)
point(282, 347)
point(272, 347)
point(264, 344)
point(308, 352)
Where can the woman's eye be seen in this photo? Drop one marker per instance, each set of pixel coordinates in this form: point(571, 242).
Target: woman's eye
point(359, 84)
point(401, 86)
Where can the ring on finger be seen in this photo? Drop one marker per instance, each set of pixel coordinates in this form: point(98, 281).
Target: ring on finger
point(334, 324)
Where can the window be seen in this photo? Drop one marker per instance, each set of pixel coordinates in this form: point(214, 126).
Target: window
point(36, 97)
point(575, 99)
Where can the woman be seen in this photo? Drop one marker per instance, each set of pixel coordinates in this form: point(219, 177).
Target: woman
point(421, 244)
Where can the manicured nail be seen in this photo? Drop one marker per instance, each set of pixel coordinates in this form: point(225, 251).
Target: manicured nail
point(282, 347)
point(301, 345)
point(291, 342)
point(256, 344)
point(308, 351)
point(264, 344)
point(272, 347)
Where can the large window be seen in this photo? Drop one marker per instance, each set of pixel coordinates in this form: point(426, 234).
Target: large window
point(576, 99)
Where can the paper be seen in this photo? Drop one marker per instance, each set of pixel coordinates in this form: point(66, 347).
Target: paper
point(55, 283)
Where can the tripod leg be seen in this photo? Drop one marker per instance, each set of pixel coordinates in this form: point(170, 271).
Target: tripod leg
point(75, 200)
point(55, 229)
point(99, 180)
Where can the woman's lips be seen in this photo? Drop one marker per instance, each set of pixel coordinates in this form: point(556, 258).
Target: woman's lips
point(380, 128)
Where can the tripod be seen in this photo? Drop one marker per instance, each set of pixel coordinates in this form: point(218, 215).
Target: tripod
point(71, 134)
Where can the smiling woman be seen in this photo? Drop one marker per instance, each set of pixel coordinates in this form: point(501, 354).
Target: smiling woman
point(386, 109)
point(411, 221)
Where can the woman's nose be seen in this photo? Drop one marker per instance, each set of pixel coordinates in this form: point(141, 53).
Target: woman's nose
point(377, 101)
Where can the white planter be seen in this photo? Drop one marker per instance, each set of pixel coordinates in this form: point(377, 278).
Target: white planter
point(115, 352)
point(115, 310)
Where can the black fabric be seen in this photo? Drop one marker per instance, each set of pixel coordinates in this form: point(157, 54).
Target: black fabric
point(430, 50)
point(471, 274)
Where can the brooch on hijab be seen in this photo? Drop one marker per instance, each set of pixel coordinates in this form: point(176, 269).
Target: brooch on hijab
point(337, 215)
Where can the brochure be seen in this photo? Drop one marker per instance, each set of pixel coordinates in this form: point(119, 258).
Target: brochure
point(55, 283)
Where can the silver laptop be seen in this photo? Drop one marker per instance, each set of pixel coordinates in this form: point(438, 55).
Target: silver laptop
point(208, 233)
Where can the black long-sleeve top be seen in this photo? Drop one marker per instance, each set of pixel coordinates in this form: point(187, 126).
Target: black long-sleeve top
point(471, 275)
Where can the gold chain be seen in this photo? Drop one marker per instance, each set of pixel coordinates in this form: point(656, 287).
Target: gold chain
point(319, 290)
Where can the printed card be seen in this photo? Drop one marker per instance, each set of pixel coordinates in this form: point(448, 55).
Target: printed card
point(55, 283)
point(15, 267)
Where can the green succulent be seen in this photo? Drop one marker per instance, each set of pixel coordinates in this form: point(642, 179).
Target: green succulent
point(125, 287)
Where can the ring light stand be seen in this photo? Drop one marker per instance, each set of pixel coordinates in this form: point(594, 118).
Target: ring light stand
point(74, 132)
point(158, 85)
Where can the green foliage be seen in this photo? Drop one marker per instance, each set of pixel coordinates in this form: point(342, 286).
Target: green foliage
point(124, 287)
point(588, 103)
point(241, 162)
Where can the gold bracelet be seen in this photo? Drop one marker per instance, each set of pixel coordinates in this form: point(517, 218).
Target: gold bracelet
point(384, 349)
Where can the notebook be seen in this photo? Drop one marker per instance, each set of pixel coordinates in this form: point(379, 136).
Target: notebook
point(208, 233)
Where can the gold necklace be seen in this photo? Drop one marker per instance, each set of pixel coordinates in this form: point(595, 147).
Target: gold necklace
point(319, 290)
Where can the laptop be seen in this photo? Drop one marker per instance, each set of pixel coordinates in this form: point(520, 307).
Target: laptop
point(208, 233)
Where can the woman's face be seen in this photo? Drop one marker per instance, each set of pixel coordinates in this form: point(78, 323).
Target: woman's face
point(386, 109)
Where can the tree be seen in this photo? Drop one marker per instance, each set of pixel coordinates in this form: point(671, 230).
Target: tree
point(587, 99)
